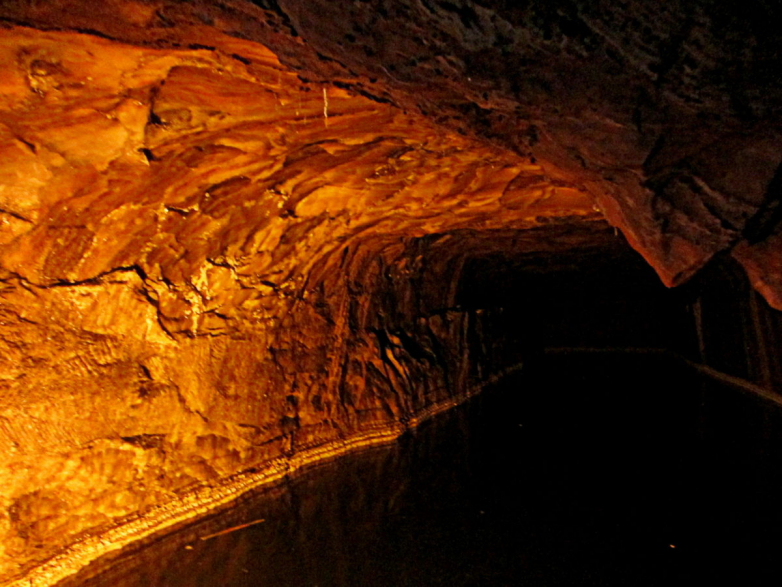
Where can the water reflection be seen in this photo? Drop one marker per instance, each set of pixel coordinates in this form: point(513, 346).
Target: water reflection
point(626, 471)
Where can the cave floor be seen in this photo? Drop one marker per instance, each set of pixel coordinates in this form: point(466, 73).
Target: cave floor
point(584, 469)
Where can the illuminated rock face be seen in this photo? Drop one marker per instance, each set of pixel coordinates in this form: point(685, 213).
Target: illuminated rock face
point(208, 263)
point(209, 258)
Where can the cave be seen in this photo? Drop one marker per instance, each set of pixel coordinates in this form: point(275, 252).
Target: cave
point(271, 248)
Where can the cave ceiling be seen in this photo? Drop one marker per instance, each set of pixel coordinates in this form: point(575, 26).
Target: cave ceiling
point(164, 135)
point(213, 172)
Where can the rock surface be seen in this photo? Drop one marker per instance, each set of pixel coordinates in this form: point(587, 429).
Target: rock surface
point(233, 230)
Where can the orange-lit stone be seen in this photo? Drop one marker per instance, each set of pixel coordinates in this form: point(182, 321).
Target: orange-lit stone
point(182, 234)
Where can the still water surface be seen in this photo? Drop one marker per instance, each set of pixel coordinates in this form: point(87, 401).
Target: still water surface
point(586, 470)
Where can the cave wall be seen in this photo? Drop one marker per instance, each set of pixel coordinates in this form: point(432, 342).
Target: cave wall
point(100, 422)
point(738, 332)
point(195, 243)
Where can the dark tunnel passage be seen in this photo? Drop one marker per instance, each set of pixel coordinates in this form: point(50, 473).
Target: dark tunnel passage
point(606, 298)
point(632, 448)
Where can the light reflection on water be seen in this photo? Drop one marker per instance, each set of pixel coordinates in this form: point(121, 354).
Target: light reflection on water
point(584, 471)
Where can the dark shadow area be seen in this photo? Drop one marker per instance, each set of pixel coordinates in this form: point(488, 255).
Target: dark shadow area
point(601, 298)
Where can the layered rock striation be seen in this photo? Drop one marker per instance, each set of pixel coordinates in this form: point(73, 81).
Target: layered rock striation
point(208, 263)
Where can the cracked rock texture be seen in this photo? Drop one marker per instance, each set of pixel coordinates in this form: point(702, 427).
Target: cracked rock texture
point(232, 230)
